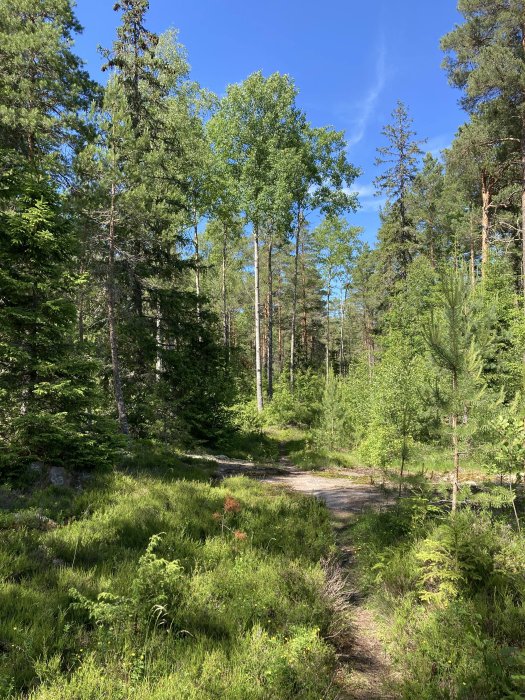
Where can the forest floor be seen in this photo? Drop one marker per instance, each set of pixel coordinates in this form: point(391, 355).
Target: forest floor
point(365, 672)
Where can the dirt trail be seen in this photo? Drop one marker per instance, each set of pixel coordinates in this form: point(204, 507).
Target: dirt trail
point(343, 497)
point(365, 671)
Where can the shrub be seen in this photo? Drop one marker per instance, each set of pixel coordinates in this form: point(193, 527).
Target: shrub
point(300, 407)
point(452, 592)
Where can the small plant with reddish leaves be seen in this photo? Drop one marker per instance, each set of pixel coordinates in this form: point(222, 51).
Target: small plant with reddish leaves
point(230, 508)
point(231, 505)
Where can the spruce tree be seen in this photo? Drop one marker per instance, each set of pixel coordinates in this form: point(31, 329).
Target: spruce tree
point(401, 158)
point(426, 203)
point(46, 379)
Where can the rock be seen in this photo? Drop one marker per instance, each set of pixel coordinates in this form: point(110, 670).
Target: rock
point(58, 476)
point(37, 467)
point(82, 479)
point(33, 521)
point(45, 523)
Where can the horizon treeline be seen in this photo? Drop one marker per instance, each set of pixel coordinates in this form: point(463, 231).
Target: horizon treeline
point(173, 264)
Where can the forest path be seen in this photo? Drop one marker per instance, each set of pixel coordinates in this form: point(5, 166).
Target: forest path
point(365, 672)
point(342, 495)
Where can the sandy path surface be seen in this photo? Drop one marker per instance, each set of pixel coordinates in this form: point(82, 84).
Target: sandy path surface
point(342, 496)
point(365, 669)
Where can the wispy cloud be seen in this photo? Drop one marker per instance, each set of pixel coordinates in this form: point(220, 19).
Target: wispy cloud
point(364, 108)
point(437, 144)
point(364, 190)
point(368, 200)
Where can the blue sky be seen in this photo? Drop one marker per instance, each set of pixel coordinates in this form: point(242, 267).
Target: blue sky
point(351, 62)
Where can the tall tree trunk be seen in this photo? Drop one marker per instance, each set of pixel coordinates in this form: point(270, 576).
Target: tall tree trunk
point(294, 300)
point(257, 304)
point(327, 359)
point(264, 337)
point(112, 324)
point(455, 445)
point(269, 348)
point(197, 262)
point(486, 197)
point(279, 326)
point(305, 310)
point(341, 334)
point(225, 335)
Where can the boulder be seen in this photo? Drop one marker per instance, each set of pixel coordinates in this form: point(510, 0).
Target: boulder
point(37, 467)
point(58, 476)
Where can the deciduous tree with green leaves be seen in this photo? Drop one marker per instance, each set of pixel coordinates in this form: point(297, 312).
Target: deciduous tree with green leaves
point(256, 130)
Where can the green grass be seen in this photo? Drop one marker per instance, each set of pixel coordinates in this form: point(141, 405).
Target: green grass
point(153, 584)
point(426, 462)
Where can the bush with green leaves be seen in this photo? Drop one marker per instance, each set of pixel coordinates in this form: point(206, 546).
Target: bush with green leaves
point(335, 427)
point(451, 591)
point(504, 445)
point(298, 407)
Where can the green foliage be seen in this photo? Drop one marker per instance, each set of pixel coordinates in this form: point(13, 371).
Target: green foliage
point(43, 85)
point(245, 417)
point(149, 583)
point(452, 598)
point(384, 446)
point(401, 156)
point(48, 388)
point(504, 451)
point(397, 408)
point(335, 428)
point(299, 407)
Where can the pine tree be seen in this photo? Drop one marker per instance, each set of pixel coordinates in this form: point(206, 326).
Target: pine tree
point(481, 161)
point(486, 59)
point(451, 338)
point(43, 87)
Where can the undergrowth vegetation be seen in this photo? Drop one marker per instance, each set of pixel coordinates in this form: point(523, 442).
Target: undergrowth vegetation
point(146, 585)
point(451, 596)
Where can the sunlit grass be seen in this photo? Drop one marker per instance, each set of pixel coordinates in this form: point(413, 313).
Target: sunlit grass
point(149, 585)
